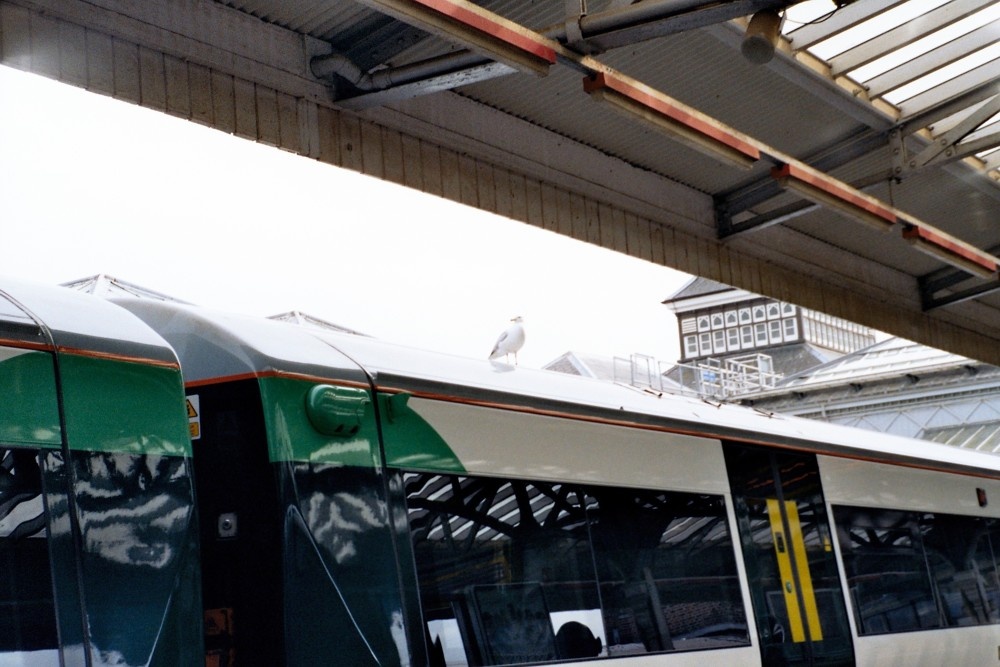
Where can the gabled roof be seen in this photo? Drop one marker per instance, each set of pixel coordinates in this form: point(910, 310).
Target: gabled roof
point(891, 371)
point(898, 387)
point(107, 286)
point(890, 358)
point(697, 287)
point(306, 320)
point(586, 365)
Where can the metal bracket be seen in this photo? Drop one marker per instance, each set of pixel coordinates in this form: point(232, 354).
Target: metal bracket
point(575, 11)
point(934, 283)
point(949, 146)
point(744, 199)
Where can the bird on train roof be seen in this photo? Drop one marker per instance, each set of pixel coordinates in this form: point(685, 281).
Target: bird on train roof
point(510, 341)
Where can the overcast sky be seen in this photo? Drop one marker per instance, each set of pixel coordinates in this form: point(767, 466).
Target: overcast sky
point(93, 185)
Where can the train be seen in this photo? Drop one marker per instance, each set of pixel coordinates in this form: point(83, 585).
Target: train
point(181, 486)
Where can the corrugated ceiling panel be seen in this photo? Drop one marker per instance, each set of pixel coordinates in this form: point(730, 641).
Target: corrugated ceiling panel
point(323, 19)
point(701, 68)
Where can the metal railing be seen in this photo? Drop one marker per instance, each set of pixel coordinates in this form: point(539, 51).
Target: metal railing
point(713, 378)
point(731, 377)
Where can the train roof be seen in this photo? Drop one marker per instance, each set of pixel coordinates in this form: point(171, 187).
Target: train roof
point(47, 317)
point(213, 346)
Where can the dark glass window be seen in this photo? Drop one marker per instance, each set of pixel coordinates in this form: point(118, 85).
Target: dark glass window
point(667, 571)
point(514, 572)
point(919, 570)
point(27, 611)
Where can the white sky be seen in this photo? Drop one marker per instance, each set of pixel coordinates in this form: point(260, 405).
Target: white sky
point(92, 185)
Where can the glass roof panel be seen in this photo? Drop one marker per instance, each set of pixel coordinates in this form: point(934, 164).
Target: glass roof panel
point(907, 53)
point(983, 437)
point(917, 55)
point(877, 25)
point(941, 75)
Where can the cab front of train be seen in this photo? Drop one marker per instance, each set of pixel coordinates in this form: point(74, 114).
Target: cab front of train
point(98, 535)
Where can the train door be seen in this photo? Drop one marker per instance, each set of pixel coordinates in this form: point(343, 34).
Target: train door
point(240, 533)
point(791, 566)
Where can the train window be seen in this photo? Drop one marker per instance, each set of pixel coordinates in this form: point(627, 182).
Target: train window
point(498, 563)
point(515, 572)
point(667, 571)
point(27, 611)
point(918, 570)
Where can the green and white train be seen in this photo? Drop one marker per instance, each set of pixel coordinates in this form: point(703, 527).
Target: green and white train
point(184, 487)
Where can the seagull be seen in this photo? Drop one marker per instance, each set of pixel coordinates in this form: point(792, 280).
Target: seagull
point(510, 341)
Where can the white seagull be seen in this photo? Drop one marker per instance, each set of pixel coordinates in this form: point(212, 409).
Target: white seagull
point(510, 341)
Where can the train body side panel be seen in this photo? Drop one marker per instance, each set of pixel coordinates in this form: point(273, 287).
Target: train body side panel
point(505, 442)
point(545, 512)
point(859, 482)
point(918, 550)
point(132, 500)
point(341, 589)
point(31, 412)
point(955, 646)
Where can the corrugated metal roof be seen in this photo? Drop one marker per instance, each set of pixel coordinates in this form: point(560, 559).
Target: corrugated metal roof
point(865, 92)
point(892, 357)
point(981, 437)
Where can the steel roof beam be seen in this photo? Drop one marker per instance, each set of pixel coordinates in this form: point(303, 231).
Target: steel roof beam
point(604, 30)
point(762, 189)
point(405, 90)
point(728, 228)
point(993, 160)
point(477, 29)
point(947, 278)
point(969, 148)
point(656, 18)
point(930, 302)
point(811, 82)
point(765, 190)
point(950, 147)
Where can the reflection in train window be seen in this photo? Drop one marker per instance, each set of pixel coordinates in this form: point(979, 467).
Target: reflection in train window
point(513, 571)
point(27, 611)
point(667, 571)
point(919, 570)
point(133, 510)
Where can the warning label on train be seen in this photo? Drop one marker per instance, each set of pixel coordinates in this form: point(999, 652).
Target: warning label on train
point(194, 416)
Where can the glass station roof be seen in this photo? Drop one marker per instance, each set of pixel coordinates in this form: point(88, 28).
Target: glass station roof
point(936, 61)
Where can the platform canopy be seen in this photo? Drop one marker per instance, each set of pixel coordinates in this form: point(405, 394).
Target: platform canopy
point(850, 171)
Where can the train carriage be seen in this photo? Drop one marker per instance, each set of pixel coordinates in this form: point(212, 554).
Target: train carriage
point(424, 509)
point(98, 535)
point(362, 503)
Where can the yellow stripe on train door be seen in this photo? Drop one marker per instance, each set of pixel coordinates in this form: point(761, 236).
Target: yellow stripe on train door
point(784, 546)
